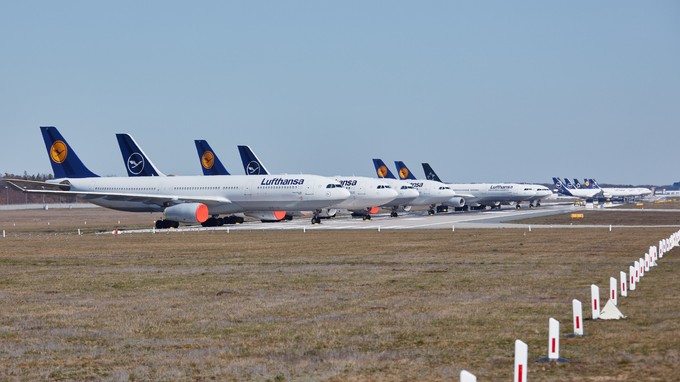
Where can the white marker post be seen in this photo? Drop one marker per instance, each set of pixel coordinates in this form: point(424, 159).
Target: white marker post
point(623, 277)
point(661, 249)
point(521, 357)
point(631, 270)
point(3, 233)
point(577, 309)
point(642, 267)
point(612, 291)
point(637, 271)
point(466, 376)
point(647, 262)
point(595, 301)
point(553, 339)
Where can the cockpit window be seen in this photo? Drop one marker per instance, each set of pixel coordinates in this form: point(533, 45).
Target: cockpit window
point(333, 185)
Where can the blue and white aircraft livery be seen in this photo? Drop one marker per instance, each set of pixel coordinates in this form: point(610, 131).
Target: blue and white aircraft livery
point(481, 195)
point(431, 193)
point(210, 164)
point(616, 192)
point(366, 194)
point(566, 188)
point(186, 199)
point(136, 161)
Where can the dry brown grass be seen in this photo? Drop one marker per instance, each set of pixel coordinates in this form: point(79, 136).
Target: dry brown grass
point(329, 305)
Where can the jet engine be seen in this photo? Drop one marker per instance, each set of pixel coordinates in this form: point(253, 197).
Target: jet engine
point(456, 202)
point(266, 216)
point(328, 213)
point(187, 213)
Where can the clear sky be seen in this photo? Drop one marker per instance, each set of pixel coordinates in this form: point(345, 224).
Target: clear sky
point(482, 90)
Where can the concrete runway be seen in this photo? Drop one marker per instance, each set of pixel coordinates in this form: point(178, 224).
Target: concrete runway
point(406, 220)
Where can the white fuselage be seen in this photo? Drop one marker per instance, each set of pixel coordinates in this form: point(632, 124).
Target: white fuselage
point(221, 194)
point(540, 192)
point(491, 193)
point(406, 193)
point(431, 192)
point(618, 192)
point(365, 193)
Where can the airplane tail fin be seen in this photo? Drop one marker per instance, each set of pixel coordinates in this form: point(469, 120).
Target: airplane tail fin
point(594, 183)
point(577, 184)
point(404, 172)
point(429, 173)
point(65, 163)
point(210, 163)
point(567, 184)
point(136, 161)
point(559, 185)
point(251, 163)
point(382, 170)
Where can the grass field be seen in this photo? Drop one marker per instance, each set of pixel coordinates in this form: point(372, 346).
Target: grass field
point(327, 305)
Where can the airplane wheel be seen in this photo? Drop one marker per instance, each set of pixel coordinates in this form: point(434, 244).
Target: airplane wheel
point(430, 212)
point(394, 215)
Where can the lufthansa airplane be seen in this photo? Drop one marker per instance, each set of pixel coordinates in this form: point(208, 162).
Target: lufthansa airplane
point(480, 195)
point(366, 194)
point(616, 192)
point(431, 192)
point(566, 188)
point(209, 162)
point(185, 199)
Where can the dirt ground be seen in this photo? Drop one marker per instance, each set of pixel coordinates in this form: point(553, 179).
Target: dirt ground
point(326, 305)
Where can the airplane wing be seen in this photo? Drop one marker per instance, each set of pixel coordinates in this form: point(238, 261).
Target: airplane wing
point(127, 196)
point(35, 183)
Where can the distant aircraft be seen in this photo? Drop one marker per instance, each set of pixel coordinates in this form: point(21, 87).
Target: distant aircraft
point(566, 188)
point(617, 192)
point(432, 193)
point(185, 199)
point(480, 195)
point(366, 194)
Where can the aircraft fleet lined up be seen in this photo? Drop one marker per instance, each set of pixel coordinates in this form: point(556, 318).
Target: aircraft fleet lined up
point(219, 197)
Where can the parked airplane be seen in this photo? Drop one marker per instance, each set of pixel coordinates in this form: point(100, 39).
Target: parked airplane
point(186, 199)
point(366, 194)
point(566, 188)
point(211, 164)
point(617, 192)
point(431, 192)
point(480, 195)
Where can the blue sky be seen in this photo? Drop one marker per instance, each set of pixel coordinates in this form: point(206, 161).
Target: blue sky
point(482, 90)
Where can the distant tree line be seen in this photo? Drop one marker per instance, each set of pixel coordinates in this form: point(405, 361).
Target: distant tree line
point(8, 195)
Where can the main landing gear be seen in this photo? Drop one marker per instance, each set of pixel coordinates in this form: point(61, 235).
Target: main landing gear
point(316, 219)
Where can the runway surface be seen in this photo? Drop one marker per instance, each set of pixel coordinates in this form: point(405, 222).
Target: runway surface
point(383, 221)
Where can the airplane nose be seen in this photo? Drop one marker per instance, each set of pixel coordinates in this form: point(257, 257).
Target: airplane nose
point(343, 192)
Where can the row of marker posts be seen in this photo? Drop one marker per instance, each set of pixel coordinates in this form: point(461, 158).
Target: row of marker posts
point(626, 282)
